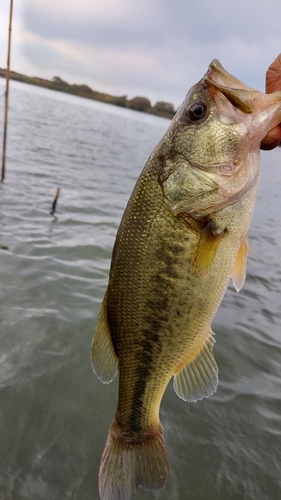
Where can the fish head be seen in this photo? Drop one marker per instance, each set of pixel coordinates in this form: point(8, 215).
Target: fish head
point(222, 120)
point(217, 132)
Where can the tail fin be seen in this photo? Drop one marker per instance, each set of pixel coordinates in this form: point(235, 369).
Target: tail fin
point(130, 462)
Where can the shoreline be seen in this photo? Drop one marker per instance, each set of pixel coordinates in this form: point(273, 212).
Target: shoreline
point(142, 104)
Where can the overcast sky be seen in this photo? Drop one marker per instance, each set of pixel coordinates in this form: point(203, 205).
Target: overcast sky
point(152, 48)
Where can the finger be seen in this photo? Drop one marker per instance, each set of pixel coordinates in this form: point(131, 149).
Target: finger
point(273, 76)
point(273, 83)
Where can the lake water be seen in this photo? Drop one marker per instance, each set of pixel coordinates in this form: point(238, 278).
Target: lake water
point(54, 413)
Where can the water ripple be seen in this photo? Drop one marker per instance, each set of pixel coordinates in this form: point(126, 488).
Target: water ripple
point(54, 413)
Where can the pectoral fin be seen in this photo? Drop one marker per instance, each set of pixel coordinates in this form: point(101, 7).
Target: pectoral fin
point(104, 358)
point(239, 268)
point(207, 248)
point(198, 379)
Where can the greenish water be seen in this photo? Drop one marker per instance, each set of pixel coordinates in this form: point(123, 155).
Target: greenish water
point(54, 413)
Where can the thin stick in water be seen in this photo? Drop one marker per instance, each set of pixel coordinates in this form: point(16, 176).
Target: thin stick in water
point(7, 93)
point(55, 201)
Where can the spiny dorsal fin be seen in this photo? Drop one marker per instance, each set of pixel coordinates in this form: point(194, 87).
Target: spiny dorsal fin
point(239, 268)
point(206, 249)
point(104, 358)
point(198, 379)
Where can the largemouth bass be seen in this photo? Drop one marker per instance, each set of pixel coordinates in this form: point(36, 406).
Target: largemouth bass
point(181, 238)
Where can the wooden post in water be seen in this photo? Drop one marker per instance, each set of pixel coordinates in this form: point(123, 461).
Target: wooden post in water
point(7, 94)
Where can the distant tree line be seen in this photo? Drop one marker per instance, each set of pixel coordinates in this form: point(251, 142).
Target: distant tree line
point(161, 108)
point(137, 103)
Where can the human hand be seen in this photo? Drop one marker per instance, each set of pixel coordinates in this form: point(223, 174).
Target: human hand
point(272, 83)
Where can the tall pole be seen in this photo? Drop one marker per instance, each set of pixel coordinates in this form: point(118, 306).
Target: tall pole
point(7, 93)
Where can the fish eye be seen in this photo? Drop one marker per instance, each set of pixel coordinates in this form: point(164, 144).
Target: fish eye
point(197, 111)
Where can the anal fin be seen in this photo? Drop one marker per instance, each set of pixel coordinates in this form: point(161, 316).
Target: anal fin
point(198, 379)
point(239, 268)
point(104, 359)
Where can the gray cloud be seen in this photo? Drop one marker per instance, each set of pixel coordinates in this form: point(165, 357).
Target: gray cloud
point(201, 21)
point(156, 48)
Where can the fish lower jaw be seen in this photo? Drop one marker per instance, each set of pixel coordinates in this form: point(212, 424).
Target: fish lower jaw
point(268, 118)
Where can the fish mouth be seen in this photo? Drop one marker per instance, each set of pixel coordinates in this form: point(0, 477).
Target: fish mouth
point(218, 75)
point(238, 93)
point(265, 107)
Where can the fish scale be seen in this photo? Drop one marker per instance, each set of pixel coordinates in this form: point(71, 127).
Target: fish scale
point(182, 236)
